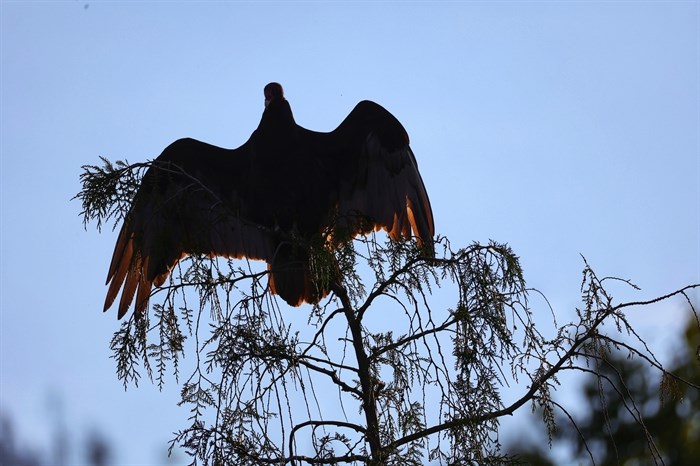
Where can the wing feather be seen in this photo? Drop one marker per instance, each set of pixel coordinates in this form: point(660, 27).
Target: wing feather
point(380, 185)
point(188, 203)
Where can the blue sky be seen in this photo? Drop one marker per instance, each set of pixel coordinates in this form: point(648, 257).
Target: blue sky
point(561, 128)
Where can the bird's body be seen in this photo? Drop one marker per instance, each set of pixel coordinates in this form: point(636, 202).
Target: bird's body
point(285, 181)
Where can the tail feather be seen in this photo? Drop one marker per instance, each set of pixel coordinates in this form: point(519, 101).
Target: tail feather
point(291, 278)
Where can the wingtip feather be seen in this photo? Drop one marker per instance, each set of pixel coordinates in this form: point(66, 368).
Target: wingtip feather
point(120, 265)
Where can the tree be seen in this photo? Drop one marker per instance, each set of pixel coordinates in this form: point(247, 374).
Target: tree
point(637, 415)
point(339, 385)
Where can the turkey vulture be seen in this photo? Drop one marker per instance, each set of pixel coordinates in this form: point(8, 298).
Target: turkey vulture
point(284, 182)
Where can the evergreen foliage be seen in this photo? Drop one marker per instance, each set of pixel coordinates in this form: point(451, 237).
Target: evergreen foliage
point(378, 373)
point(636, 412)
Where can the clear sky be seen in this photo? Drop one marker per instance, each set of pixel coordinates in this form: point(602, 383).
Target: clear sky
point(562, 128)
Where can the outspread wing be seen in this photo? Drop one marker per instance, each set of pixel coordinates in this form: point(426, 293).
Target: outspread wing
point(190, 202)
point(197, 198)
point(379, 185)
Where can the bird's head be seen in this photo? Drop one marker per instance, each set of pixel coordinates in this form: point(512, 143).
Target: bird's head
point(273, 91)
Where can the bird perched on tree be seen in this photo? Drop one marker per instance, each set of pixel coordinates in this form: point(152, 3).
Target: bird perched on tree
point(285, 182)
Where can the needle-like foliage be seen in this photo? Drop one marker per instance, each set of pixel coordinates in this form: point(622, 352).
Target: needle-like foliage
point(405, 363)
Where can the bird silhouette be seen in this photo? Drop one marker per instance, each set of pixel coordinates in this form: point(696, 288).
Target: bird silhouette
point(285, 182)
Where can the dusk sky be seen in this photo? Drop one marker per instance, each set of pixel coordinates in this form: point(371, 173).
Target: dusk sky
point(561, 128)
